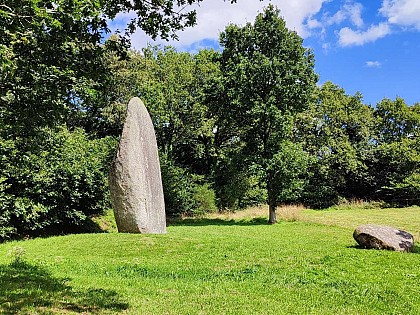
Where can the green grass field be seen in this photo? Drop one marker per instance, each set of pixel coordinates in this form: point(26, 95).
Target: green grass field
point(217, 265)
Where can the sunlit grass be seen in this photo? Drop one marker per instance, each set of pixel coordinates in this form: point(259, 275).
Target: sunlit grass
point(284, 212)
point(403, 218)
point(236, 264)
point(347, 216)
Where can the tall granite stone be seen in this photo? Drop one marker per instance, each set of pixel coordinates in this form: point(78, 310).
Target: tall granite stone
point(135, 179)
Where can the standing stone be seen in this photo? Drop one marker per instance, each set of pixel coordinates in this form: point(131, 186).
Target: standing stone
point(383, 237)
point(135, 180)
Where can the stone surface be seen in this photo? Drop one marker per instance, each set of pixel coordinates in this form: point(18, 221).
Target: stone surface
point(383, 237)
point(135, 179)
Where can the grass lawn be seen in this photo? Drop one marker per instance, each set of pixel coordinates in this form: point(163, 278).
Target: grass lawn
point(217, 265)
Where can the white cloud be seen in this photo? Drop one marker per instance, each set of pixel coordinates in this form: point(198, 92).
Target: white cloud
point(326, 47)
point(349, 37)
point(214, 15)
point(373, 64)
point(350, 11)
point(312, 23)
point(338, 18)
point(354, 11)
point(402, 12)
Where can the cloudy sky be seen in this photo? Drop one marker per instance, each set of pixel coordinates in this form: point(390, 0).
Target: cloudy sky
point(368, 46)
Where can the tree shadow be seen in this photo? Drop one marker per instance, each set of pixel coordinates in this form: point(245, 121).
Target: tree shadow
point(87, 226)
point(219, 222)
point(29, 289)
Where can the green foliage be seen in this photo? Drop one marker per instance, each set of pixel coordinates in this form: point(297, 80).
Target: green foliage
point(396, 121)
point(56, 185)
point(171, 84)
point(51, 58)
point(287, 169)
point(157, 18)
point(237, 189)
point(396, 168)
point(185, 193)
point(52, 55)
point(204, 198)
point(267, 77)
point(397, 152)
point(337, 131)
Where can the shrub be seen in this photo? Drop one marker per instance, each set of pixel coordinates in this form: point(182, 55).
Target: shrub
point(238, 187)
point(53, 183)
point(185, 193)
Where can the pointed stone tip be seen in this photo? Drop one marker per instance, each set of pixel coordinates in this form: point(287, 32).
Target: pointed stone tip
point(137, 105)
point(135, 100)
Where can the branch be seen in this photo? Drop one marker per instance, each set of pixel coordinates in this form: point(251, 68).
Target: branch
point(11, 12)
point(5, 6)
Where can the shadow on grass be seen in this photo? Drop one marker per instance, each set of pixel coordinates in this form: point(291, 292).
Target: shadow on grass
point(220, 222)
point(30, 289)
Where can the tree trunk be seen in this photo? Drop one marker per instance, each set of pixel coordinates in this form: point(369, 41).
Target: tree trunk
point(272, 219)
point(272, 205)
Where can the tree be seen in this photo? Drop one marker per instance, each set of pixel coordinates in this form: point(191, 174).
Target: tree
point(396, 121)
point(55, 185)
point(50, 57)
point(267, 77)
point(337, 130)
point(396, 162)
point(156, 17)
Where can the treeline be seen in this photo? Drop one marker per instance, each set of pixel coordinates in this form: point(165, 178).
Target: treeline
point(336, 148)
point(244, 126)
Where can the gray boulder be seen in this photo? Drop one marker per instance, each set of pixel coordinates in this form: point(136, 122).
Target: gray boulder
point(383, 237)
point(135, 180)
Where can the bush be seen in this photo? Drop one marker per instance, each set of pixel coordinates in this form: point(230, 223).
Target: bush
point(238, 187)
point(53, 183)
point(185, 193)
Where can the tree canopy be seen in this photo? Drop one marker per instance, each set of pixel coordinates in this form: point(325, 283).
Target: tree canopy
point(268, 77)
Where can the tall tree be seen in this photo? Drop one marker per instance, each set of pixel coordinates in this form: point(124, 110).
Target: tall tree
point(268, 77)
point(50, 57)
point(397, 154)
point(338, 130)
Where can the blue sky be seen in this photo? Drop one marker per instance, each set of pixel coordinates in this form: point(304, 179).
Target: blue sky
point(368, 46)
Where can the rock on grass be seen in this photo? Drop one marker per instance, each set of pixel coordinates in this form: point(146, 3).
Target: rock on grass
point(383, 237)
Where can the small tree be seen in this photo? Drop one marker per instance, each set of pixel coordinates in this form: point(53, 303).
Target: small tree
point(267, 77)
